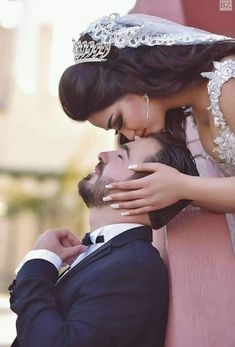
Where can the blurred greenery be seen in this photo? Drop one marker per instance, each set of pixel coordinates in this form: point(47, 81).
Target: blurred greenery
point(51, 197)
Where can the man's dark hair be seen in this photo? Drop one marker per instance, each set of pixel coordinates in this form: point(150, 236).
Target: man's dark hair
point(178, 156)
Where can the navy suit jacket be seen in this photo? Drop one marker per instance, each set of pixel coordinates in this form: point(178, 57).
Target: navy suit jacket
point(116, 297)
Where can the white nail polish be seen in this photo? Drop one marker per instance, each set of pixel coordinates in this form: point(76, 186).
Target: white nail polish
point(132, 166)
point(115, 205)
point(108, 186)
point(125, 214)
point(107, 198)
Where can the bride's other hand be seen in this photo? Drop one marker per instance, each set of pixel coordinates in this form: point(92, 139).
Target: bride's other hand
point(163, 187)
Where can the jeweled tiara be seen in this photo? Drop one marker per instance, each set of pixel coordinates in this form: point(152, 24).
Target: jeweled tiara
point(85, 52)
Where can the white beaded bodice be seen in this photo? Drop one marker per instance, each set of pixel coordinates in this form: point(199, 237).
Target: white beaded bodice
point(225, 142)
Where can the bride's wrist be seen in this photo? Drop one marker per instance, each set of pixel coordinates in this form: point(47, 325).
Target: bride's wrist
point(186, 186)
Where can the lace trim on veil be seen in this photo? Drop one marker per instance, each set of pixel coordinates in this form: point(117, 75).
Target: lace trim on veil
point(137, 30)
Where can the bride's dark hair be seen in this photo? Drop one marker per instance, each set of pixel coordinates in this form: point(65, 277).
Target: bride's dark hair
point(157, 71)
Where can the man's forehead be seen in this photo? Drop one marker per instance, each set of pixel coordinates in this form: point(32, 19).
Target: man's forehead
point(147, 142)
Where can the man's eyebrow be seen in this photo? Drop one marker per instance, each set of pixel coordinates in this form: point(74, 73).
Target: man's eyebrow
point(127, 149)
point(109, 125)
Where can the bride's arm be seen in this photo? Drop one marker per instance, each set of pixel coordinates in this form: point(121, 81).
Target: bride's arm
point(216, 194)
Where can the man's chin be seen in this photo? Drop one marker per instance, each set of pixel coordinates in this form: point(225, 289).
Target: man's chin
point(92, 189)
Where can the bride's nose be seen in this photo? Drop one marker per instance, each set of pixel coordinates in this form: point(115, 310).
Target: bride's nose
point(129, 134)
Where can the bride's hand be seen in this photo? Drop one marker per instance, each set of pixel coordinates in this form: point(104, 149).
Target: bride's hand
point(163, 187)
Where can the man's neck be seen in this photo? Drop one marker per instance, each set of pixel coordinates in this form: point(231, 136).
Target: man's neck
point(101, 216)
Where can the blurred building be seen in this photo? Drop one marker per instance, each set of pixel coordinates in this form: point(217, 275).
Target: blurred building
point(36, 138)
point(42, 152)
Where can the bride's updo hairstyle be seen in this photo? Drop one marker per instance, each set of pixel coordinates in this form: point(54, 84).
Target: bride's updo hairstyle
point(153, 70)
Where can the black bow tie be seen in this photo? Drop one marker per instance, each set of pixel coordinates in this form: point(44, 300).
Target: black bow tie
point(86, 241)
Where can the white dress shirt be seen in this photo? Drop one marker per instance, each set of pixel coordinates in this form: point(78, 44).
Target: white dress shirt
point(108, 231)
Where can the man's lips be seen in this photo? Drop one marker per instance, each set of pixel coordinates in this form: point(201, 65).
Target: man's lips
point(99, 168)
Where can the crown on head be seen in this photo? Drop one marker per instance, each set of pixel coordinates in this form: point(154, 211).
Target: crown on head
point(90, 51)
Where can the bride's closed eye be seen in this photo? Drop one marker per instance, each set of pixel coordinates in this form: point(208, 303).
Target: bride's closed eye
point(118, 124)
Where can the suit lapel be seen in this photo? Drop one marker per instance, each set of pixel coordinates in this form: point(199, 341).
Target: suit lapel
point(99, 253)
point(139, 233)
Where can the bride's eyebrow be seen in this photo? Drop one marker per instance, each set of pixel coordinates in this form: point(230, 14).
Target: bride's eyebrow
point(109, 125)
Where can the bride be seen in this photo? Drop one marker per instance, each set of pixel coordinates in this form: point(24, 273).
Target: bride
point(141, 74)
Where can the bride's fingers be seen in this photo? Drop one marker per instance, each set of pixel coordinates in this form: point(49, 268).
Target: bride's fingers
point(126, 185)
point(138, 211)
point(137, 183)
point(127, 196)
point(130, 204)
point(146, 167)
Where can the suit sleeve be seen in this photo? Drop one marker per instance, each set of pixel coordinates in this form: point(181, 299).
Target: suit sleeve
point(40, 320)
point(41, 254)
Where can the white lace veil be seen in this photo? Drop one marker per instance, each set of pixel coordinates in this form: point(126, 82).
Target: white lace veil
point(135, 30)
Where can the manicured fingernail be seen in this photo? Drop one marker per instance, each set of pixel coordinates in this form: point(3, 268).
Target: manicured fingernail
point(108, 186)
point(132, 166)
point(115, 206)
point(107, 198)
point(125, 213)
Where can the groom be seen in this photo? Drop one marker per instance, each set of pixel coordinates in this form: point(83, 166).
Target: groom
point(115, 293)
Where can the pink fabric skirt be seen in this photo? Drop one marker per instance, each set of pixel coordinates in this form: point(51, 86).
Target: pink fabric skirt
point(198, 252)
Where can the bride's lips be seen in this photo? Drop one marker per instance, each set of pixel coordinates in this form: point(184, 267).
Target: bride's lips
point(144, 133)
point(141, 134)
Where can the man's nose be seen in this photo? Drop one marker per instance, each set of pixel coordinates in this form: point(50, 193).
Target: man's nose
point(103, 157)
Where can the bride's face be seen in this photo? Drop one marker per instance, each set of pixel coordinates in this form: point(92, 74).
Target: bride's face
point(128, 116)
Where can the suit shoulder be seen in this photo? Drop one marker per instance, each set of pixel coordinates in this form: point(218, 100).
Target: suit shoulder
point(148, 259)
point(140, 256)
point(146, 253)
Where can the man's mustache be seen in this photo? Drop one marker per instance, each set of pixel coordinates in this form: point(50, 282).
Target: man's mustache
point(98, 169)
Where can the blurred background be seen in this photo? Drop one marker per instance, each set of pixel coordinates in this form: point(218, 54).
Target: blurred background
point(43, 154)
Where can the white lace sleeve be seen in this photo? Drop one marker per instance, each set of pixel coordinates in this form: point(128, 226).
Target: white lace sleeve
point(225, 142)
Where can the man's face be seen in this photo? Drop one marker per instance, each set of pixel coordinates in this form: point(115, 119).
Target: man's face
point(113, 166)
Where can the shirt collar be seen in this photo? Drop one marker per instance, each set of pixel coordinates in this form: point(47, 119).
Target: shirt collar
point(112, 230)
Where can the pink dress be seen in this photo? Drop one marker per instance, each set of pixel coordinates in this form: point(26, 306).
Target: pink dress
point(198, 248)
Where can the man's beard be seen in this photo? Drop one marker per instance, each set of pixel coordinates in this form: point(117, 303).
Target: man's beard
point(93, 193)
